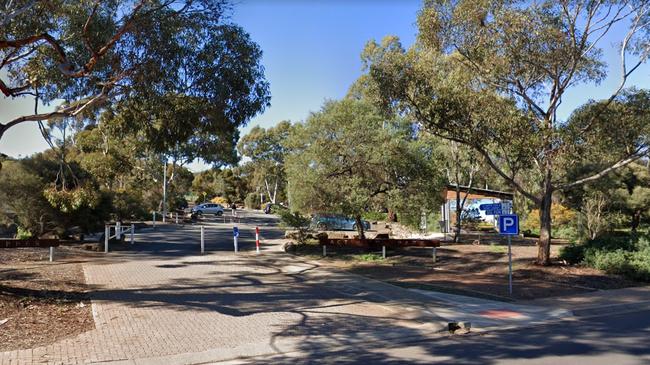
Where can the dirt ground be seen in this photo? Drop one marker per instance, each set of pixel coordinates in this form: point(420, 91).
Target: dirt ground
point(42, 302)
point(475, 269)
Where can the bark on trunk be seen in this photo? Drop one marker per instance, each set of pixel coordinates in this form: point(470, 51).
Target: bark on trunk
point(392, 216)
point(360, 230)
point(544, 242)
point(459, 211)
point(636, 220)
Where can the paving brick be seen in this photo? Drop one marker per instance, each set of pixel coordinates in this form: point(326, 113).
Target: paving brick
point(148, 306)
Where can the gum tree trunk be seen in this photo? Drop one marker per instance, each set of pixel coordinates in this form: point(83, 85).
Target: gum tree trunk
point(360, 230)
point(544, 242)
point(636, 220)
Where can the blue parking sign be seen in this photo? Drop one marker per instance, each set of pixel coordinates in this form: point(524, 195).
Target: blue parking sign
point(509, 224)
point(235, 232)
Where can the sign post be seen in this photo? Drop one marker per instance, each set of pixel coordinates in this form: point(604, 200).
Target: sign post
point(235, 234)
point(492, 209)
point(509, 226)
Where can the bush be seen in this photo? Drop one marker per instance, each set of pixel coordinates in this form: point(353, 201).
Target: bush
point(375, 216)
point(573, 253)
point(563, 220)
point(568, 232)
point(219, 200)
point(278, 209)
point(619, 253)
point(252, 201)
point(633, 265)
point(23, 234)
point(296, 221)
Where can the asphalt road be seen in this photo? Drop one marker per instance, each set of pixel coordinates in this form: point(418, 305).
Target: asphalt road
point(608, 340)
point(613, 338)
point(186, 238)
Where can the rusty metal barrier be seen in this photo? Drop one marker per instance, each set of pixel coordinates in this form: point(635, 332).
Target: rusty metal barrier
point(30, 242)
point(378, 242)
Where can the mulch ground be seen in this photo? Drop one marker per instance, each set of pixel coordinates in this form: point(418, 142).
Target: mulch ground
point(477, 270)
point(42, 302)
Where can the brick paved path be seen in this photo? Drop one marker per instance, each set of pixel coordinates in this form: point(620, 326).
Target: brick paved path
point(185, 308)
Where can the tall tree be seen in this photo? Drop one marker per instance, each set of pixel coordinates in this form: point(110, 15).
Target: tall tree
point(633, 195)
point(500, 70)
point(178, 71)
point(348, 158)
point(266, 150)
point(462, 165)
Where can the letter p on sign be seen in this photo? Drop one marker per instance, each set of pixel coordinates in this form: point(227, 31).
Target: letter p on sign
point(509, 224)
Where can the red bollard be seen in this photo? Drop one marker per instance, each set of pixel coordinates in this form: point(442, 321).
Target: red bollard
point(257, 239)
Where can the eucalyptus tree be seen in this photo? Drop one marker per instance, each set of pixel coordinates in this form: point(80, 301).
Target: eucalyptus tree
point(493, 74)
point(177, 67)
point(348, 158)
point(266, 149)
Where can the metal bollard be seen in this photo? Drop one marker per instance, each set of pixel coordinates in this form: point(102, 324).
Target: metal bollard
point(383, 252)
point(324, 250)
point(257, 239)
point(176, 218)
point(51, 253)
point(118, 230)
point(433, 253)
point(202, 240)
point(154, 219)
point(107, 233)
point(132, 233)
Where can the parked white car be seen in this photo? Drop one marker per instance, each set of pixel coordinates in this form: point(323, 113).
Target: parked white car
point(208, 208)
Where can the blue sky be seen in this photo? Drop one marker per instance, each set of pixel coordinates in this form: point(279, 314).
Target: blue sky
point(311, 53)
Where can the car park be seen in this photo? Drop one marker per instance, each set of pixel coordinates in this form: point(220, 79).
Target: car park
point(208, 208)
point(336, 222)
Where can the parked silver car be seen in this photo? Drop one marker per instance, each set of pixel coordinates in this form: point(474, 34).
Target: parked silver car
point(208, 208)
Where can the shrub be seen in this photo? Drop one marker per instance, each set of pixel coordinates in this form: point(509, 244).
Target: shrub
point(296, 221)
point(619, 253)
point(633, 265)
point(278, 209)
point(567, 232)
point(219, 200)
point(375, 216)
point(23, 234)
point(252, 201)
point(573, 253)
point(562, 218)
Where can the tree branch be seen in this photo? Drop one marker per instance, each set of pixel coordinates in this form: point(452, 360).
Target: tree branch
point(6, 19)
point(604, 172)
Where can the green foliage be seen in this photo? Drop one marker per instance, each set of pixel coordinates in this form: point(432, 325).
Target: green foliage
point(23, 234)
point(278, 209)
point(476, 76)
point(633, 265)
point(297, 222)
point(349, 159)
point(565, 222)
point(24, 202)
point(266, 149)
point(71, 200)
point(187, 77)
point(374, 216)
point(617, 253)
point(252, 201)
point(498, 249)
point(370, 257)
point(293, 219)
point(572, 253)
